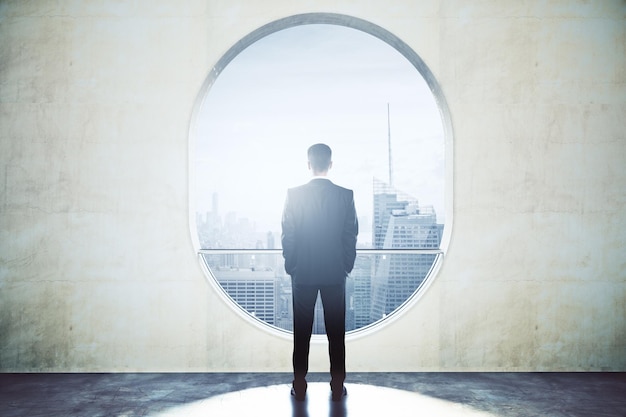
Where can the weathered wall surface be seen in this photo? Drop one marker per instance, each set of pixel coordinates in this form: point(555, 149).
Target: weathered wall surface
point(97, 268)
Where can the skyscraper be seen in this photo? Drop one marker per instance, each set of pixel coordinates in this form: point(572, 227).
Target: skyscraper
point(358, 291)
point(399, 223)
point(253, 289)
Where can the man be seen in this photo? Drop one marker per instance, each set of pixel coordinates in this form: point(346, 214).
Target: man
point(319, 231)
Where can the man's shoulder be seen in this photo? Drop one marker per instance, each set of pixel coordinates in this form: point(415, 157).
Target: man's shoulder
point(321, 182)
point(343, 189)
point(297, 189)
point(340, 189)
point(324, 184)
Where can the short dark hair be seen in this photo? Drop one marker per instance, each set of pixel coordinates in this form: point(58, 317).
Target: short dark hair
point(319, 157)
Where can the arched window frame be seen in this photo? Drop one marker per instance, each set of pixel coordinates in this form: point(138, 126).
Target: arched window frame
point(421, 67)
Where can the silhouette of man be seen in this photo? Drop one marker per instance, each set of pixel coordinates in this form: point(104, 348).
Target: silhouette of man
point(319, 231)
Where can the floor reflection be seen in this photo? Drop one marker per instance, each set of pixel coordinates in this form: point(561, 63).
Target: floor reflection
point(362, 400)
point(335, 409)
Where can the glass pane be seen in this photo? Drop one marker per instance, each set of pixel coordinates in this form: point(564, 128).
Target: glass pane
point(299, 86)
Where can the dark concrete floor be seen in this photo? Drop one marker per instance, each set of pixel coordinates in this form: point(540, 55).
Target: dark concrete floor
point(267, 394)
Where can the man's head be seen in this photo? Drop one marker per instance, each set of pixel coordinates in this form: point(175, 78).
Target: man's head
point(320, 158)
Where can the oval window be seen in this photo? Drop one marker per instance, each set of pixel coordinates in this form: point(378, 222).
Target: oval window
point(336, 80)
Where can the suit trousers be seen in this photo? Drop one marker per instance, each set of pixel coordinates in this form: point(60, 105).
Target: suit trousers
point(334, 304)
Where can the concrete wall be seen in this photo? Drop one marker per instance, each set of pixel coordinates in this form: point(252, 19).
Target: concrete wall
point(97, 267)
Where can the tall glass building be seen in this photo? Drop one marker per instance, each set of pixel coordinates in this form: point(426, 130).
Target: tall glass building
point(400, 223)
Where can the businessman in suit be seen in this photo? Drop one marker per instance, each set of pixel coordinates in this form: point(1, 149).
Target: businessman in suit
point(319, 232)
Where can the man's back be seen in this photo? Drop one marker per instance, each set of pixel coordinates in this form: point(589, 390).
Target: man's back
point(319, 232)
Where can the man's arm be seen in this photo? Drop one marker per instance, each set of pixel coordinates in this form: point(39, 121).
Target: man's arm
point(288, 237)
point(350, 232)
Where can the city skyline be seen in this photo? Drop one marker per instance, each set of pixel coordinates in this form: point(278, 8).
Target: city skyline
point(377, 286)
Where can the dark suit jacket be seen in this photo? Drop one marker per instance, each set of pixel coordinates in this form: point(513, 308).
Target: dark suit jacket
point(319, 230)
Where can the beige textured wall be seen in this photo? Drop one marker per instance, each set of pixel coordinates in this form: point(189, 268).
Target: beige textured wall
point(97, 268)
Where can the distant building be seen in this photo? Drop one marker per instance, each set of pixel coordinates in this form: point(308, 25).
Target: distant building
point(359, 293)
point(253, 289)
point(400, 223)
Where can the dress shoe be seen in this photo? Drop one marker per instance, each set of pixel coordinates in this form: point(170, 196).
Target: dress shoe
point(340, 394)
point(299, 395)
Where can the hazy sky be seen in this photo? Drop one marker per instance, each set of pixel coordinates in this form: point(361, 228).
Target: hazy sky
point(309, 84)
